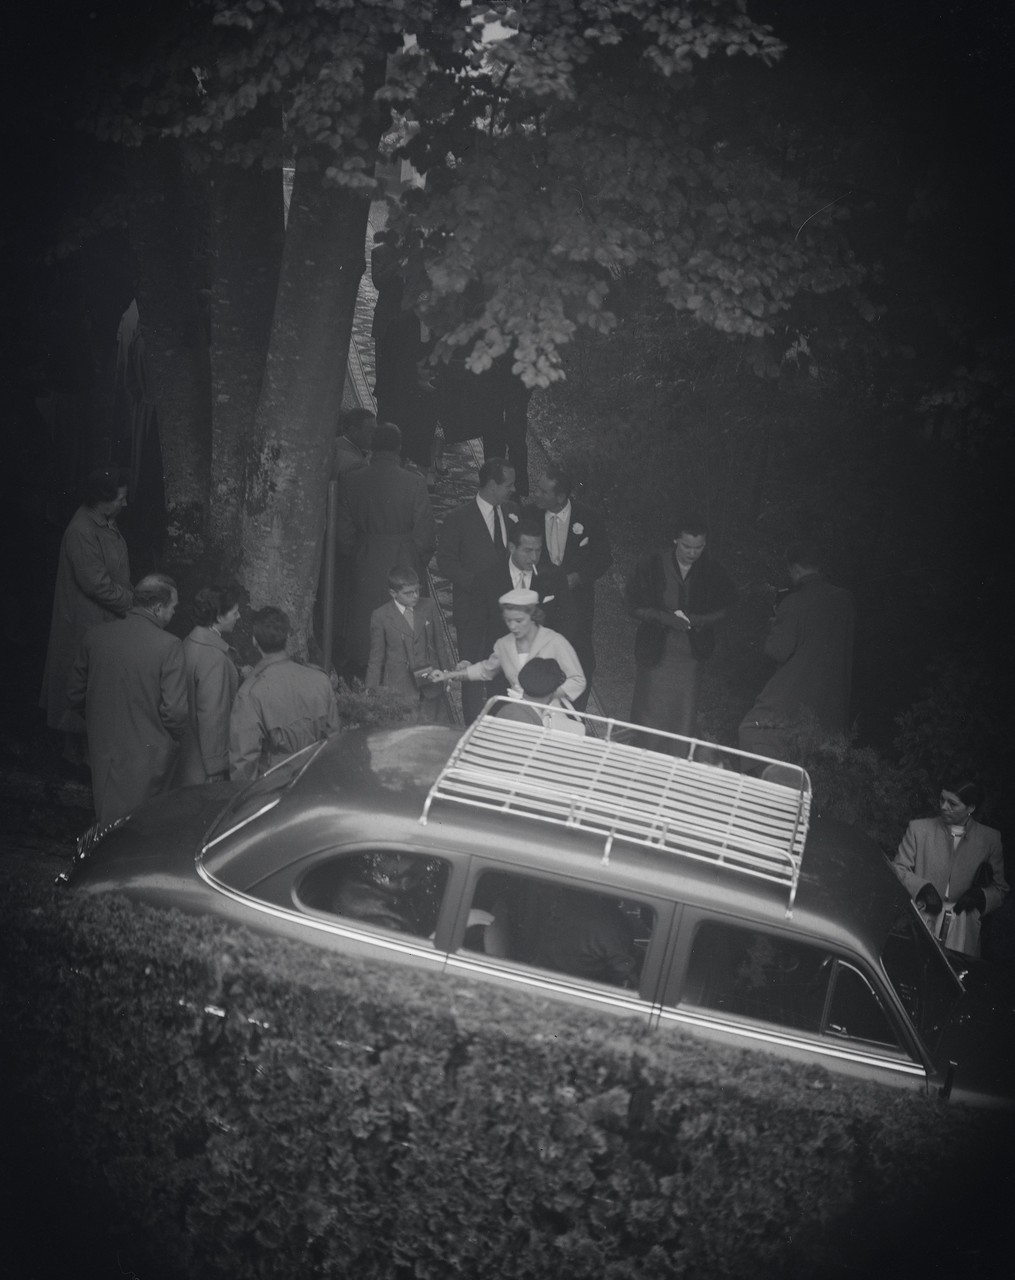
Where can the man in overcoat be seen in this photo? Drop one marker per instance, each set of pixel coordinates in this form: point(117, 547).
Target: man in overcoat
point(576, 540)
point(811, 638)
point(129, 677)
point(384, 519)
point(473, 545)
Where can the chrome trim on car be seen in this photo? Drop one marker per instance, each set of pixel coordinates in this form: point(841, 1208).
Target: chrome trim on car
point(336, 926)
point(258, 813)
point(616, 998)
point(818, 1047)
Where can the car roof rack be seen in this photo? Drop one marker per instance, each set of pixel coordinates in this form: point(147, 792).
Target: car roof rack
point(698, 804)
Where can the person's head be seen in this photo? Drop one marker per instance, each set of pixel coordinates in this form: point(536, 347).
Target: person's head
point(496, 481)
point(690, 536)
point(525, 543)
point(540, 678)
point(105, 491)
point(386, 438)
point(358, 426)
point(156, 592)
point(553, 489)
point(217, 607)
point(802, 560)
point(521, 612)
point(403, 586)
point(958, 798)
point(270, 628)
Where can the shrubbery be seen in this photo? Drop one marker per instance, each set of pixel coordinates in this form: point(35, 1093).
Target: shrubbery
point(246, 1107)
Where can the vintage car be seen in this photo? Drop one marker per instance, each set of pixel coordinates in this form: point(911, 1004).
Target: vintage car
point(684, 890)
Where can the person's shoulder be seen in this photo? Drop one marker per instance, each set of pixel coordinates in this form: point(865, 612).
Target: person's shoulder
point(385, 610)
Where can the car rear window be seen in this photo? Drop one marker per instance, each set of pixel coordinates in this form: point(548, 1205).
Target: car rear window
point(538, 922)
point(386, 888)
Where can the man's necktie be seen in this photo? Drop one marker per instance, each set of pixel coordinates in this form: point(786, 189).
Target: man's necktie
point(410, 618)
point(498, 537)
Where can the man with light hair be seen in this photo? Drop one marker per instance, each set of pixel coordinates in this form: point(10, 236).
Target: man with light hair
point(129, 677)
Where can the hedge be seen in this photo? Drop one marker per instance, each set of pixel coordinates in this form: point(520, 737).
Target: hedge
point(224, 1105)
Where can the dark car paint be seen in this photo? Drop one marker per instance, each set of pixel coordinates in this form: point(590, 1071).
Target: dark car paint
point(364, 790)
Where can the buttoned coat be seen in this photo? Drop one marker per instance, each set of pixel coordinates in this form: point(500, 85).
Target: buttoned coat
point(929, 855)
point(281, 707)
point(212, 681)
point(587, 553)
point(396, 649)
point(507, 661)
point(92, 586)
point(129, 676)
point(468, 556)
point(384, 519)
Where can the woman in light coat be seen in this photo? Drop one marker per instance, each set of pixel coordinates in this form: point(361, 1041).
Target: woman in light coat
point(526, 639)
point(953, 867)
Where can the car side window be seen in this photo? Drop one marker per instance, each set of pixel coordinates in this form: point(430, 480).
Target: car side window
point(584, 934)
point(855, 1011)
point(389, 889)
point(752, 974)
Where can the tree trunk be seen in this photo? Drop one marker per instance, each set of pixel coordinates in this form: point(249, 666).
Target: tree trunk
point(247, 234)
point(286, 490)
point(168, 231)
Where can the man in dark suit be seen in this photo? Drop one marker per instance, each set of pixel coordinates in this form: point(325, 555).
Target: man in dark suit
point(576, 541)
point(130, 677)
point(472, 545)
point(526, 570)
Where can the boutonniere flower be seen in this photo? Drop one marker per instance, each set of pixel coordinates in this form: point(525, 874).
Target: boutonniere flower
point(547, 599)
point(512, 517)
point(584, 542)
point(578, 529)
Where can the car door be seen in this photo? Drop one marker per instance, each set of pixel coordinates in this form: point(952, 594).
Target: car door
point(752, 986)
point(559, 938)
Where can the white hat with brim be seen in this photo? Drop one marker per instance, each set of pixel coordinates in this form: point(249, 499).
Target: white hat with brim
point(519, 599)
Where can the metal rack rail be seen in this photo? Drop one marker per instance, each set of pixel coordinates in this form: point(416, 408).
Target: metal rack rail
point(610, 788)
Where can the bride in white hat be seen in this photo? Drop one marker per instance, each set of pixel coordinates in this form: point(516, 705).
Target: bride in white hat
point(526, 639)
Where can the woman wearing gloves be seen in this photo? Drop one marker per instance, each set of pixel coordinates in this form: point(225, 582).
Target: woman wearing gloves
point(953, 867)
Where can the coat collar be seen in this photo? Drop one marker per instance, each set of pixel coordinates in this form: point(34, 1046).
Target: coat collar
point(210, 637)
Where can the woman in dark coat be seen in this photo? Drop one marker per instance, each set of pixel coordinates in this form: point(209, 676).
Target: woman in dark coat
point(92, 586)
point(677, 594)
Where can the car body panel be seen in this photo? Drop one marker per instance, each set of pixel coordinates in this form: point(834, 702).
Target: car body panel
point(245, 853)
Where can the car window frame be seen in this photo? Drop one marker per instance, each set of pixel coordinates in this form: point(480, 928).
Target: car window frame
point(907, 1058)
point(309, 863)
point(514, 971)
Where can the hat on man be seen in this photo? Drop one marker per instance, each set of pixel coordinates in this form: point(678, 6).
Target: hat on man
point(540, 677)
point(519, 599)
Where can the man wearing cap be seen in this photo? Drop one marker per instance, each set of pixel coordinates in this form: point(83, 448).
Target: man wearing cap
point(472, 545)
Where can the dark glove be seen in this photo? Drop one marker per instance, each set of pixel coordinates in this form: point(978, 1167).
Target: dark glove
point(984, 876)
point(929, 899)
point(972, 899)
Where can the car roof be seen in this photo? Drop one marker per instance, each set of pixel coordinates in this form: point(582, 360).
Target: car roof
point(385, 786)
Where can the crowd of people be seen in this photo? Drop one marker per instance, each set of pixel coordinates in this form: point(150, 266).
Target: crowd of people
point(149, 712)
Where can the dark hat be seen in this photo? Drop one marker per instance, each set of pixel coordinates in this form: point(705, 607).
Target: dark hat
point(541, 676)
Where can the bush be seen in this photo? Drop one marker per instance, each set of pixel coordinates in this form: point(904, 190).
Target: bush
point(239, 1107)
